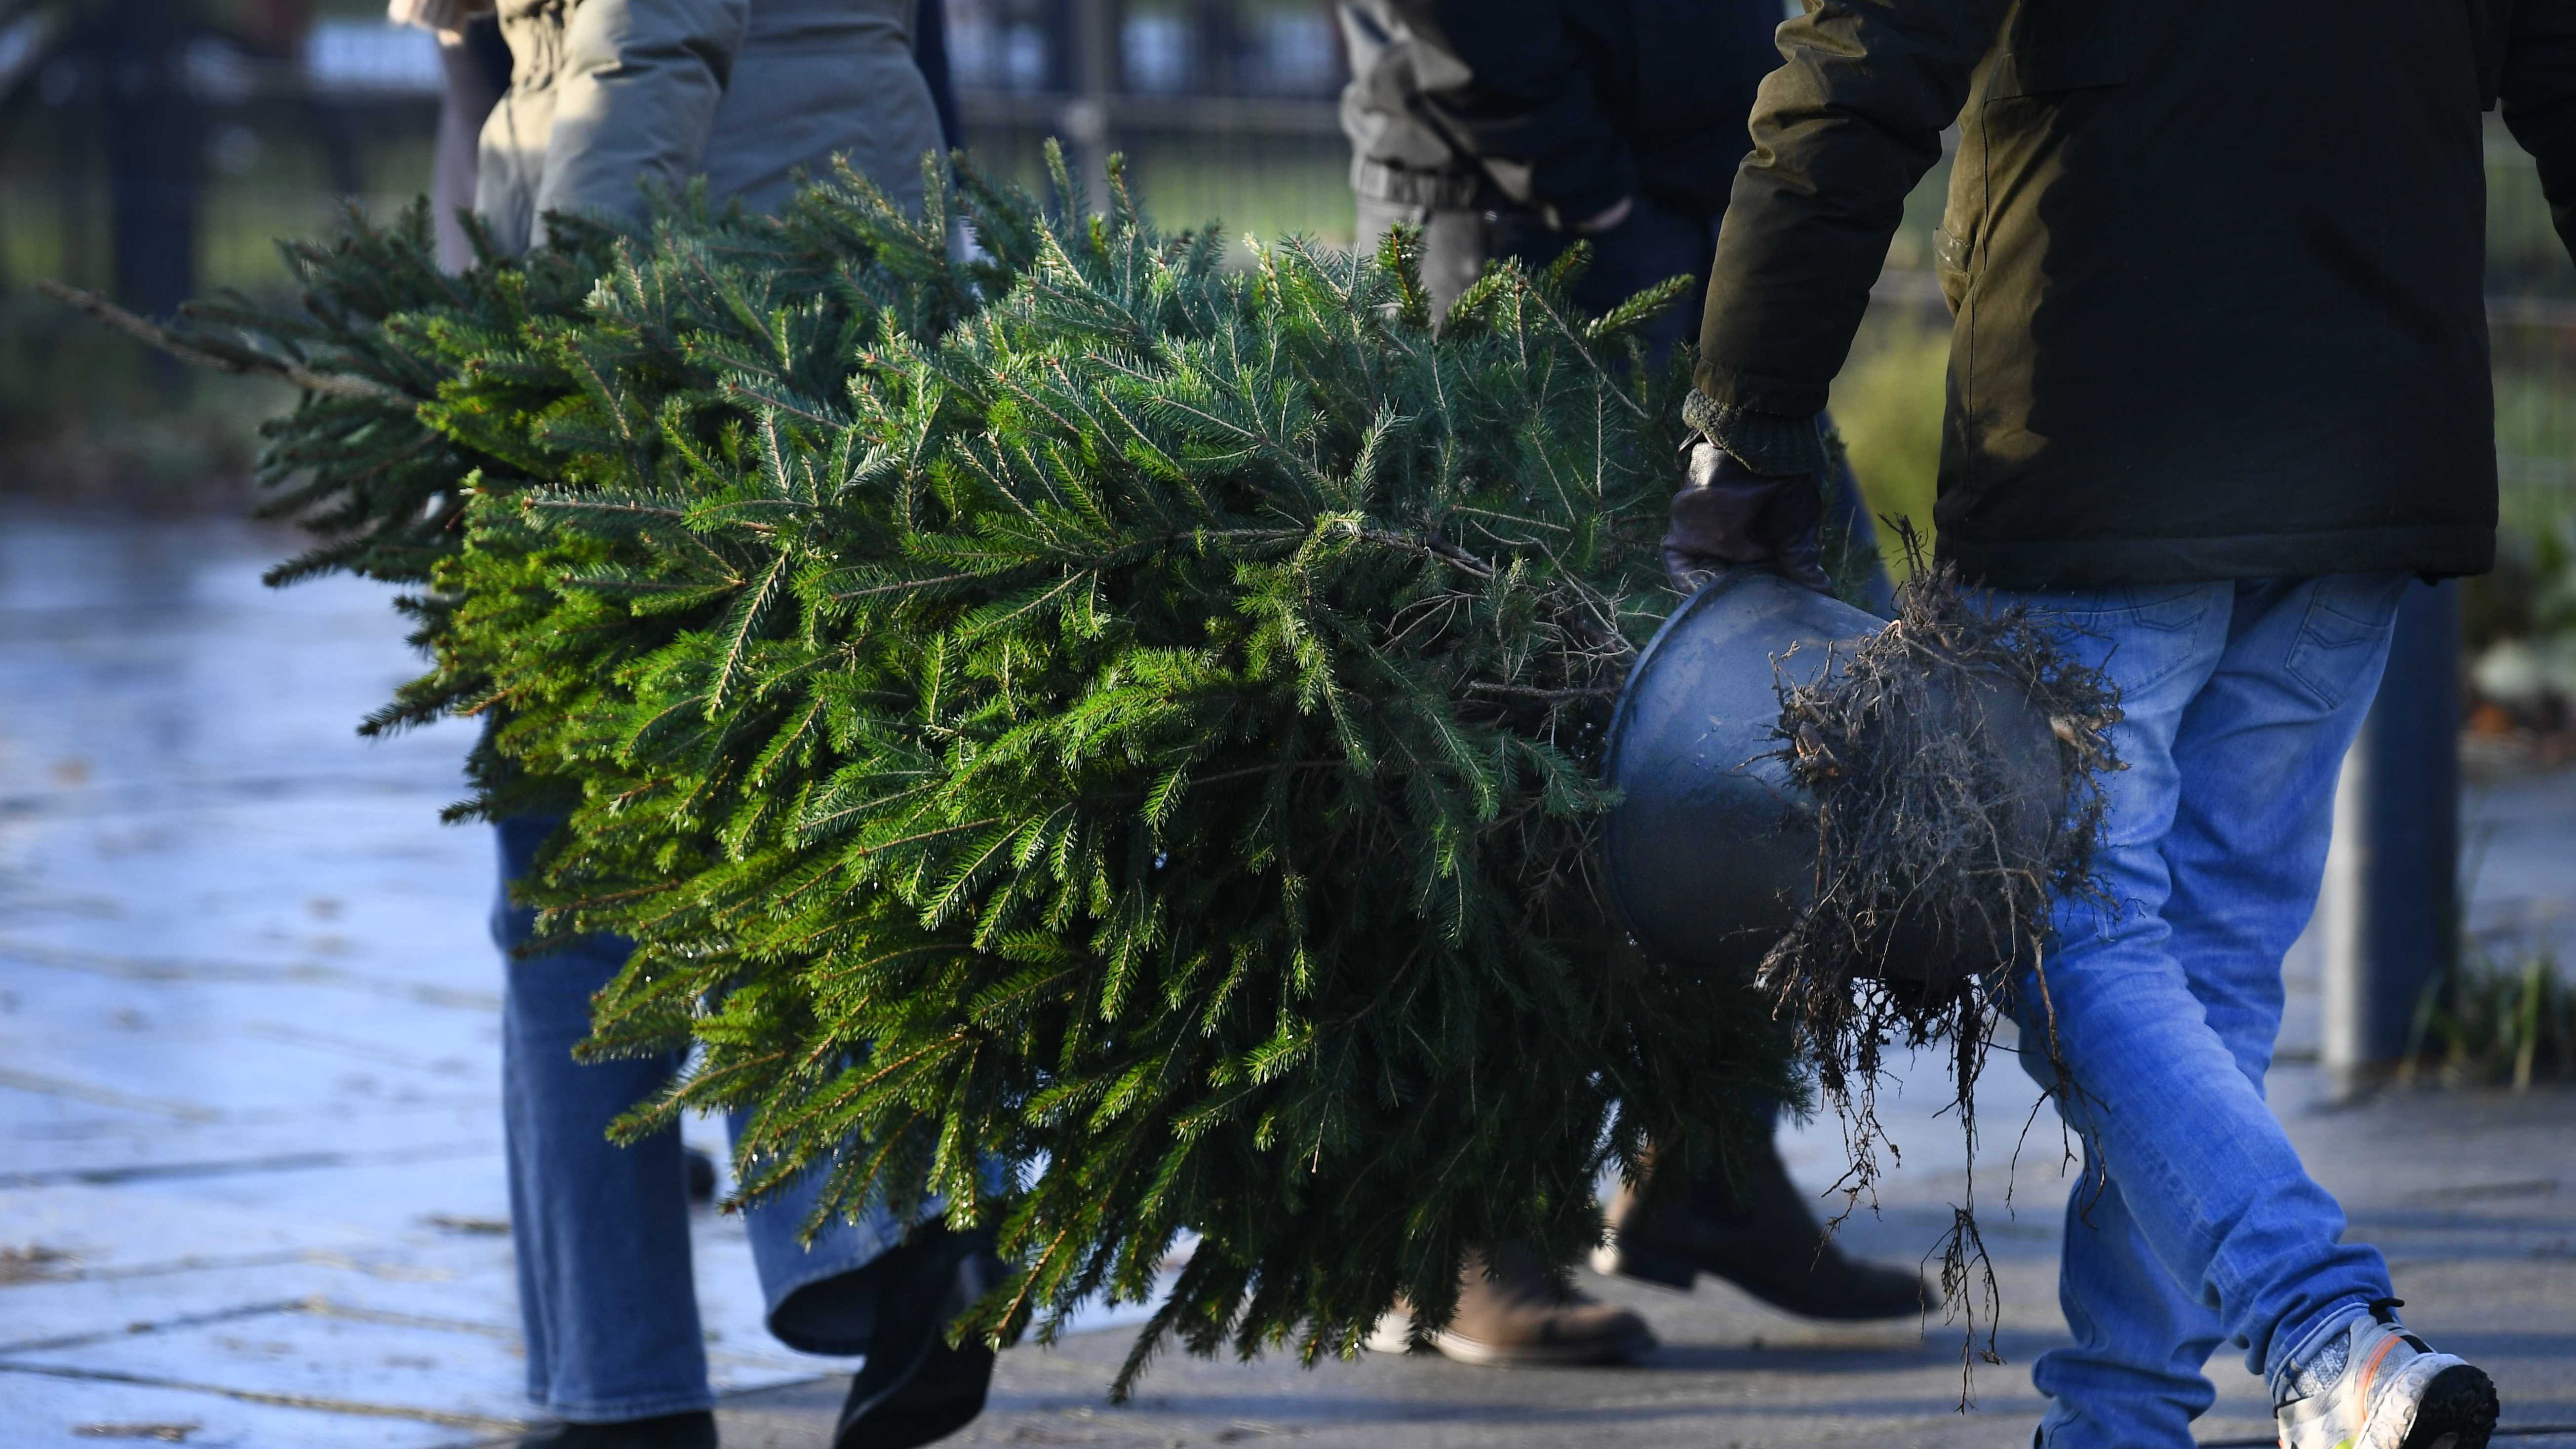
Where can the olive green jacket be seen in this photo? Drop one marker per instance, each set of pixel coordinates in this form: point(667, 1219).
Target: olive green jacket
point(609, 96)
point(2217, 267)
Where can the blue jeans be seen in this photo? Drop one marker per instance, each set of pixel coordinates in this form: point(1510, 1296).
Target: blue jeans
point(602, 1231)
point(2202, 1227)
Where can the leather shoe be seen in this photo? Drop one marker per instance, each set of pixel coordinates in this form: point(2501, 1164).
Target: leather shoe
point(914, 1388)
point(1759, 1235)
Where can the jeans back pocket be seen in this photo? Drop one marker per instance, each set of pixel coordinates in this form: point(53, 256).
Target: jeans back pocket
point(2343, 634)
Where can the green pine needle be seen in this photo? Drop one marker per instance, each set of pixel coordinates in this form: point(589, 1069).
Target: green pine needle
point(1085, 740)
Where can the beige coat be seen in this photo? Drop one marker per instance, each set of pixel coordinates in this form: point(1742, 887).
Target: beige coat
point(609, 96)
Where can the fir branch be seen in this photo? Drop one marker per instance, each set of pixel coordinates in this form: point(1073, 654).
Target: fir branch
point(1088, 704)
point(217, 353)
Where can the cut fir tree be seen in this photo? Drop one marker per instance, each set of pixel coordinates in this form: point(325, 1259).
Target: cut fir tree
point(1124, 766)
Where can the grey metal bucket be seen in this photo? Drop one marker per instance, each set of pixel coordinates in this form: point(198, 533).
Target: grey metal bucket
point(1711, 854)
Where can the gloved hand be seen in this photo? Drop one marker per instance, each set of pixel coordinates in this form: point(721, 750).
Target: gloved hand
point(1728, 516)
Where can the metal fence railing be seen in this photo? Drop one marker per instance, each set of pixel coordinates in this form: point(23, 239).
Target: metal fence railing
point(1223, 109)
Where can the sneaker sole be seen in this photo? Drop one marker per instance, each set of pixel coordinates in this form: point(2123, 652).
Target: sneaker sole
point(2458, 1411)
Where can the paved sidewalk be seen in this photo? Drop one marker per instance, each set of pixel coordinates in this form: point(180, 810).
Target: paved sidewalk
point(2476, 1208)
point(249, 1022)
point(250, 1177)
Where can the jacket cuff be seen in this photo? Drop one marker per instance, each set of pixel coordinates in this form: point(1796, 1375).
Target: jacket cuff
point(1773, 444)
point(1761, 391)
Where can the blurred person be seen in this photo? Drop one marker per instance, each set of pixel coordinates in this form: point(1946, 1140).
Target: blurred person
point(930, 54)
point(602, 102)
point(2219, 386)
point(473, 71)
point(611, 97)
point(1510, 129)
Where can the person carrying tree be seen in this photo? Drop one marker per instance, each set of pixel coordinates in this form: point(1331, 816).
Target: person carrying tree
point(2219, 385)
point(1510, 131)
point(608, 100)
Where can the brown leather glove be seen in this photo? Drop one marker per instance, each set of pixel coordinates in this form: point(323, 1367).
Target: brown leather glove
point(1728, 516)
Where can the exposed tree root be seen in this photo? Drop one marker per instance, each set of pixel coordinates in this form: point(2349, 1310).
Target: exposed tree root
point(1934, 845)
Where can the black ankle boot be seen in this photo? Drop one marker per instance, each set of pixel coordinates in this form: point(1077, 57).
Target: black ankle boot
point(914, 1388)
point(1761, 1236)
point(693, 1430)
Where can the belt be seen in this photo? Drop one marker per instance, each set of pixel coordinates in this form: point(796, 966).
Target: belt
point(1404, 186)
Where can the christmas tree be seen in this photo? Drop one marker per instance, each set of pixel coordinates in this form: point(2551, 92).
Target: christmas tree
point(1143, 733)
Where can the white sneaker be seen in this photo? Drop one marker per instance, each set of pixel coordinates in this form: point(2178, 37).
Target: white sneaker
point(2376, 1386)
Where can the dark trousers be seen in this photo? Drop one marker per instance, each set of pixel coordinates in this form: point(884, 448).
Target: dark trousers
point(1651, 246)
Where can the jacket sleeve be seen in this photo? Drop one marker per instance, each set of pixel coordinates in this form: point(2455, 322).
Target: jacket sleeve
point(641, 80)
point(1840, 134)
point(1520, 100)
point(2538, 91)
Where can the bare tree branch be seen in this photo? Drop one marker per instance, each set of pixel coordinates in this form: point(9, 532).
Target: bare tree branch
point(194, 353)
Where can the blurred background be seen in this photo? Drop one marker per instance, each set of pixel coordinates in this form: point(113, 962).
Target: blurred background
point(155, 148)
point(151, 149)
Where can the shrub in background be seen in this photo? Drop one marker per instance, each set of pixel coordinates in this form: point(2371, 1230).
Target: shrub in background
point(2494, 1020)
point(1887, 407)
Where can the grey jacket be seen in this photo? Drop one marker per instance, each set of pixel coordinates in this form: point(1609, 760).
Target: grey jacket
point(607, 96)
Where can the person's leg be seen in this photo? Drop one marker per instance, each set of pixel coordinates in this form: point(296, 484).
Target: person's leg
point(1455, 247)
point(2246, 882)
point(1755, 1228)
point(2242, 885)
point(1758, 1231)
point(867, 1286)
point(2140, 1339)
point(2238, 701)
point(1653, 245)
point(1373, 219)
point(916, 1387)
point(2133, 1374)
point(821, 1296)
point(531, 1249)
point(601, 1231)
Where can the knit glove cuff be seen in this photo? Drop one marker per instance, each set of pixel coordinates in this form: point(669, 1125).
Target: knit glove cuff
point(1775, 445)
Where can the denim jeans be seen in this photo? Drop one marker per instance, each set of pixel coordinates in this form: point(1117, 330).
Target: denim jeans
point(602, 1231)
point(2202, 1227)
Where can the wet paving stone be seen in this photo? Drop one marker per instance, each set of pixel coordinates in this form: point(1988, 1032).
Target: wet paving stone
point(250, 1155)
